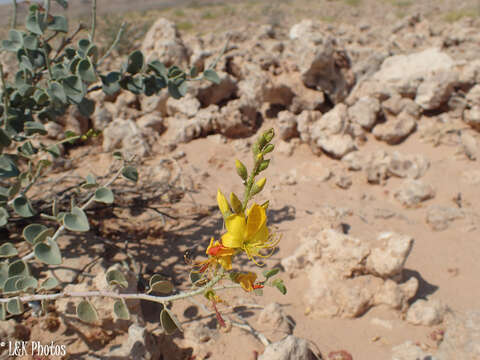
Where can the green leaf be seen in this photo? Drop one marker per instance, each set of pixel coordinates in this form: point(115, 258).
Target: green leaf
point(212, 76)
point(35, 23)
point(86, 107)
point(135, 62)
point(160, 285)
point(76, 220)
point(121, 310)
point(130, 173)
point(278, 283)
point(30, 42)
point(115, 277)
point(74, 89)
point(133, 84)
point(193, 71)
point(26, 283)
point(83, 45)
point(86, 71)
point(14, 42)
point(195, 278)
point(22, 207)
point(158, 68)
point(18, 268)
point(8, 168)
point(3, 216)
point(111, 82)
point(169, 322)
point(49, 283)
point(54, 150)
point(269, 273)
point(33, 127)
point(3, 313)
point(10, 285)
point(27, 150)
point(48, 252)
point(59, 23)
point(35, 233)
point(57, 93)
point(5, 140)
point(7, 250)
point(173, 89)
point(104, 195)
point(86, 312)
point(14, 306)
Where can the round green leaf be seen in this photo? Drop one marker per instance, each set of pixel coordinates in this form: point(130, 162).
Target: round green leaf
point(31, 231)
point(111, 82)
point(160, 285)
point(169, 322)
point(121, 310)
point(33, 127)
point(130, 173)
point(14, 306)
point(8, 250)
point(35, 23)
point(22, 207)
point(8, 168)
point(135, 62)
point(26, 282)
point(48, 252)
point(74, 88)
point(115, 277)
point(104, 195)
point(59, 23)
point(86, 71)
point(3, 274)
point(30, 42)
point(57, 93)
point(76, 220)
point(86, 107)
point(18, 267)
point(10, 285)
point(278, 283)
point(86, 312)
point(49, 283)
point(3, 216)
point(212, 76)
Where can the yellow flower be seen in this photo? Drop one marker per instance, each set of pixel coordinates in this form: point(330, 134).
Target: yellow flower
point(247, 281)
point(250, 234)
point(220, 254)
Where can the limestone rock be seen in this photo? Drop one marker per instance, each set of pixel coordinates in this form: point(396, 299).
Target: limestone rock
point(395, 129)
point(239, 118)
point(153, 121)
point(187, 105)
point(209, 93)
point(290, 348)
point(413, 192)
point(436, 89)
point(388, 257)
point(140, 345)
point(125, 135)
point(163, 42)
point(439, 217)
point(365, 112)
point(287, 125)
point(274, 316)
point(101, 118)
point(201, 125)
point(409, 351)
point(426, 313)
point(412, 166)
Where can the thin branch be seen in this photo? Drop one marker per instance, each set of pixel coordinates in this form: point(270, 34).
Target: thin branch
point(4, 95)
point(85, 206)
point(68, 40)
point(114, 295)
point(14, 15)
point(246, 326)
point(94, 20)
point(47, 61)
point(114, 44)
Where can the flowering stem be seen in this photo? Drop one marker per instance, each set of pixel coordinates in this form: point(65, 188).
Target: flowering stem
point(250, 182)
point(114, 295)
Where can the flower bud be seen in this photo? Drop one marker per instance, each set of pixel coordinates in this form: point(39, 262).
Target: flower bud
point(269, 148)
point(241, 170)
point(268, 135)
point(236, 203)
point(258, 186)
point(223, 204)
point(263, 165)
point(265, 204)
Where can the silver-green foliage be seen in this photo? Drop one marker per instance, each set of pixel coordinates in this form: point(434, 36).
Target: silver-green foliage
point(46, 83)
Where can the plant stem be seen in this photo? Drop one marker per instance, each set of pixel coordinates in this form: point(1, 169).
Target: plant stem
point(14, 15)
point(84, 206)
point(47, 61)
point(249, 185)
point(47, 9)
point(94, 20)
point(114, 295)
point(68, 40)
point(114, 44)
point(5, 96)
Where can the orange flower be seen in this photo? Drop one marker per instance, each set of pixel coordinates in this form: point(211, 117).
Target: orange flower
point(247, 281)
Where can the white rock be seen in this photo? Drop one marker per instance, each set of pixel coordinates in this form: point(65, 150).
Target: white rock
point(365, 112)
point(187, 105)
point(125, 135)
point(274, 316)
point(436, 89)
point(287, 125)
point(413, 192)
point(408, 351)
point(395, 129)
point(440, 217)
point(388, 257)
point(153, 121)
point(290, 348)
point(426, 313)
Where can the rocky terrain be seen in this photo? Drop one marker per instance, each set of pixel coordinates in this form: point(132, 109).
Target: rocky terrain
point(373, 185)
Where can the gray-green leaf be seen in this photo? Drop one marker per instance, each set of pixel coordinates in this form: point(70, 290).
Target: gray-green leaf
point(14, 306)
point(104, 195)
point(169, 322)
point(7, 250)
point(86, 312)
point(115, 277)
point(121, 310)
point(130, 173)
point(48, 252)
point(76, 220)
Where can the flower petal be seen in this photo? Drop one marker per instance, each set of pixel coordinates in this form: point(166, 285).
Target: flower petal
point(231, 241)
point(236, 224)
point(256, 220)
point(222, 203)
